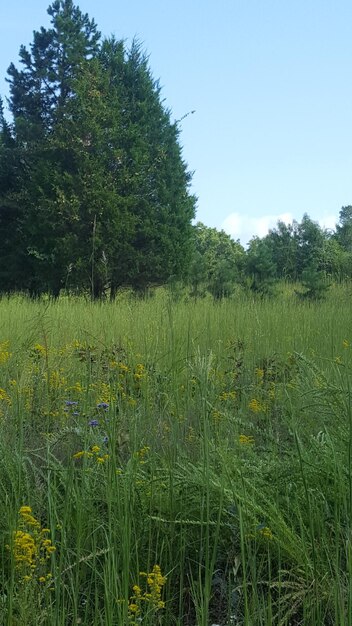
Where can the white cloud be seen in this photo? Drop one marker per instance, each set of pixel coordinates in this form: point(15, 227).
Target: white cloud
point(244, 228)
point(328, 221)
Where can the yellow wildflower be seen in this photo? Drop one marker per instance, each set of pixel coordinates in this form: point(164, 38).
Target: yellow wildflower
point(39, 350)
point(228, 395)
point(142, 453)
point(246, 440)
point(259, 374)
point(79, 455)
point(4, 352)
point(25, 509)
point(266, 532)
point(255, 406)
point(139, 372)
point(4, 396)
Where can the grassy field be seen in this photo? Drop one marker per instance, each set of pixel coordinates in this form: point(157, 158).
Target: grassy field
point(166, 462)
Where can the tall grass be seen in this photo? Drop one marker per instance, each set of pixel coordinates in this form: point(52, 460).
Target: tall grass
point(192, 462)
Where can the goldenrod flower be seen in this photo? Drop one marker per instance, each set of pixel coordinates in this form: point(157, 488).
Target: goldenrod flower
point(4, 352)
point(79, 455)
point(266, 532)
point(25, 509)
point(246, 440)
point(31, 546)
point(151, 596)
point(255, 406)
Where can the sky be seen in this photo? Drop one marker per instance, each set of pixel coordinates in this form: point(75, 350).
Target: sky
point(270, 85)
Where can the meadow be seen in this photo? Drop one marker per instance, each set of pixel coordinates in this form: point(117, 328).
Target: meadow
point(176, 463)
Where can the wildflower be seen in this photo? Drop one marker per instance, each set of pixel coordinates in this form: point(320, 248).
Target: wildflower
point(31, 547)
point(266, 532)
point(4, 352)
point(139, 372)
point(56, 379)
point(271, 392)
point(25, 510)
point(255, 406)
point(95, 449)
point(151, 597)
point(217, 415)
point(137, 591)
point(345, 343)
point(4, 396)
point(259, 374)
point(103, 405)
point(141, 454)
point(79, 455)
point(246, 440)
point(77, 387)
point(93, 423)
point(71, 403)
point(228, 395)
point(39, 350)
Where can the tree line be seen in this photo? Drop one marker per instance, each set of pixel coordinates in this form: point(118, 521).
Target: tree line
point(95, 194)
point(302, 252)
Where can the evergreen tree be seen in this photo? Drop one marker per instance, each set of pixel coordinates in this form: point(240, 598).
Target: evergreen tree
point(314, 283)
point(153, 175)
point(12, 257)
point(102, 193)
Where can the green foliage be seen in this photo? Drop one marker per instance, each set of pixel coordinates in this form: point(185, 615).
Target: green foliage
point(260, 268)
point(297, 246)
point(217, 262)
point(283, 244)
point(314, 282)
point(208, 445)
point(96, 186)
point(344, 228)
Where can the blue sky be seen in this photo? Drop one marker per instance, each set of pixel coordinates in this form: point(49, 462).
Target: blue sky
point(270, 83)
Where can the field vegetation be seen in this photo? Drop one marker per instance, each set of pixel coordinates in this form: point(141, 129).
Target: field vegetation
point(176, 461)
